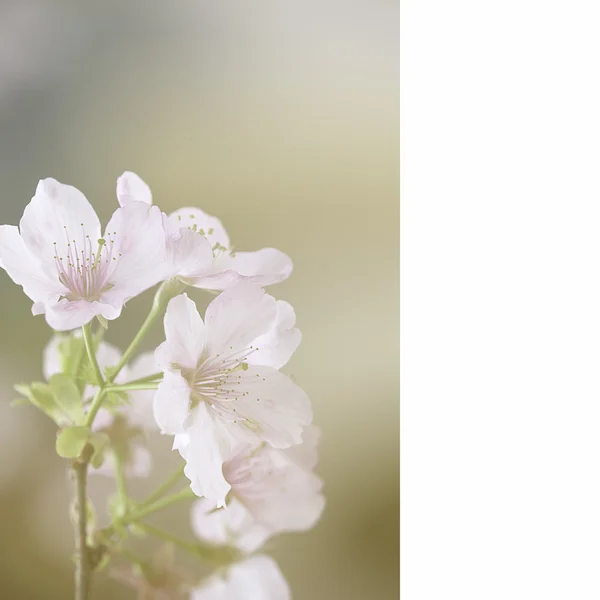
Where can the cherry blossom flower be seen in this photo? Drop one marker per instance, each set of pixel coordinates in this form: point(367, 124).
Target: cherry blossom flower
point(199, 249)
point(220, 389)
point(256, 578)
point(272, 491)
point(64, 264)
point(126, 428)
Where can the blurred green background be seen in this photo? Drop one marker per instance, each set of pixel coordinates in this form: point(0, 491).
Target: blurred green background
point(281, 119)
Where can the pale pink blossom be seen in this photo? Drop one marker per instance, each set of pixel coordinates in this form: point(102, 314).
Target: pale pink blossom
point(256, 578)
point(68, 268)
point(272, 491)
point(199, 248)
point(220, 389)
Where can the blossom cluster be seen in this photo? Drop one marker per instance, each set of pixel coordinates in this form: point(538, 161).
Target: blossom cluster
point(243, 428)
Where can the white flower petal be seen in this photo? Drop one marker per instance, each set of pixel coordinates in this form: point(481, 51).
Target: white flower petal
point(269, 407)
point(189, 253)
point(235, 318)
point(24, 268)
point(138, 250)
point(132, 188)
point(185, 334)
point(305, 455)
point(198, 221)
point(205, 450)
point(264, 267)
point(294, 502)
point(211, 529)
point(58, 214)
point(51, 362)
point(232, 525)
point(215, 281)
point(276, 347)
point(257, 578)
point(171, 403)
point(39, 308)
point(66, 315)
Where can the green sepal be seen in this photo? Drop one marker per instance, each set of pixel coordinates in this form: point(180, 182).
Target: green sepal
point(86, 375)
point(67, 397)
point(101, 443)
point(71, 441)
point(102, 562)
point(103, 321)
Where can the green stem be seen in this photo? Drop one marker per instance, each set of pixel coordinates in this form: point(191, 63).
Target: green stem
point(82, 562)
point(148, 379)
point(95, 407)
point(209, 552)
point(164, 488)
point(121, 483)
point(116, 528)
point(169, 537)
point(89, 346)
point(165, 292)
point(144, 511)
point(146, 326)
point(131, 387)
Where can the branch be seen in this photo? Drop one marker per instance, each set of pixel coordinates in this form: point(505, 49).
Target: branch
point(82, 563)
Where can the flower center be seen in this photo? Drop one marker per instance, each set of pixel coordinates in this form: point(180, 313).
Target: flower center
point(218, 378)
point(83, 271)
point(217, 248)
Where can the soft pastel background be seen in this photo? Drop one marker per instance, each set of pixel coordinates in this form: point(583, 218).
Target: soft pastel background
point(280, 118)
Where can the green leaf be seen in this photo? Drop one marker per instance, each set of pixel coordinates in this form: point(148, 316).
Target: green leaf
point(71, 441)
point(70, 351)
point(40, 395)
point(67, 396)
point(19, 402)
point(109, 371)
point(103, 562)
